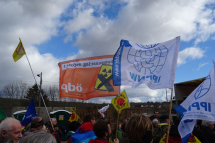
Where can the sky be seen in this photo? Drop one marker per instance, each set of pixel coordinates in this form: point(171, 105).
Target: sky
point(53, 31)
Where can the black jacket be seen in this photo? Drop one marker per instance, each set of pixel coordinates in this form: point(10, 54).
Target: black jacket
point(209, 134)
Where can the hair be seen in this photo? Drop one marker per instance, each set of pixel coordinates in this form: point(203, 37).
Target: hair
point(37, 122)
point(207, 123)
point(137, 127)
point(73, 126)
point(154, 121)
point(88, 118)
point(38, 137)
point(7, 124)
point(155, 111)
point(100, 127)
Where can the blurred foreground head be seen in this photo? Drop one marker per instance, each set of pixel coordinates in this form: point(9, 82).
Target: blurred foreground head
point(139, 129)
point(39, 137)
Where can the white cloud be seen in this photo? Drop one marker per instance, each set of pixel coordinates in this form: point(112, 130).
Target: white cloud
point(145, 22)
point(189, 53)
point(201, 65)
point(34, 22)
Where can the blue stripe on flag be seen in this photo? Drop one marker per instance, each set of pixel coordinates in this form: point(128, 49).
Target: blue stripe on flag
point(186, 138)
point(117, 65)
point(180, 110)
point(82, 137)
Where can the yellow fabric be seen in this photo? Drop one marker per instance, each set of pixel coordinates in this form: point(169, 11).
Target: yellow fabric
point(120, 102)
point(19, 51)
point(163, 141)
point(74, 116)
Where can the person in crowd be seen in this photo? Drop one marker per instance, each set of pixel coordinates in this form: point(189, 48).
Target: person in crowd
point(85, 132)
point(174, 136)
point(197, 132)
point(156, 115)
point(102, 130)
point(59, 133)
point(38, 137)
point(35, 125)
point(155, 122)
point(72, 127)
point(10, 129)
point(123, 128)
point(161, 128)
point(207, 128)
point(138, 130)
point(119, 132)
point(49, 126)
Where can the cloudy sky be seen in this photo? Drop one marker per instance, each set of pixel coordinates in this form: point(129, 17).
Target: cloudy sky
point(53, 31)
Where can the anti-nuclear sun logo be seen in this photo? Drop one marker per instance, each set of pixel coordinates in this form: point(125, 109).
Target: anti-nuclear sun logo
point(103, 79)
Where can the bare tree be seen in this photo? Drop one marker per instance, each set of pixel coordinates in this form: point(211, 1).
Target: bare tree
point(23, 88)
point(53, 93)
point(15, 90)
point(11, 90)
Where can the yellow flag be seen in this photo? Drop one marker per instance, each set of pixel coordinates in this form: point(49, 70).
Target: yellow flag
point(19, 52)
point(120, 102)
point(74, 116)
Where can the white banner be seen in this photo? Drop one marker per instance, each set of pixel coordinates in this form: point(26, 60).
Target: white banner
point(153, 65)
point(102, 110)
point(198, 105)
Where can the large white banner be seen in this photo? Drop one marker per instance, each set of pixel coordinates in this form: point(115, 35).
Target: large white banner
point(200, 104)
point(153, 65)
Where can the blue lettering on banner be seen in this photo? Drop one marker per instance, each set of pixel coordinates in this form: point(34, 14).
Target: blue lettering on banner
point(199, 105)
point(138, 78)
point(117, 65)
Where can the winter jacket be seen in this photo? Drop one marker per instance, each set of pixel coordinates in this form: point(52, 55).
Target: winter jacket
point(159, 132)
point(119, 135)
point(174, 137)
point(57, 136)
point(209, 134)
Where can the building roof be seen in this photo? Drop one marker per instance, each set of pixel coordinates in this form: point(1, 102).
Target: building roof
point(195, 82)
point(53, 112)
point(18, 112)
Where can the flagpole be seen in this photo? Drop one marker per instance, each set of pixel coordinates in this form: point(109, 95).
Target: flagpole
point(39, 91)
point(170, 108)
point(118, 113)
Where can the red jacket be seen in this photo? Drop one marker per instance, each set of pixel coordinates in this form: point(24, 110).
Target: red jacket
point(98, 141)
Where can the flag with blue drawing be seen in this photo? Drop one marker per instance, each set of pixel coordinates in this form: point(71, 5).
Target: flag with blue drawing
point(198, 105)
point(153, 65)
point(29, 114)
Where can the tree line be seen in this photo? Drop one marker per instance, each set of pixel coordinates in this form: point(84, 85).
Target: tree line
point(22, 90)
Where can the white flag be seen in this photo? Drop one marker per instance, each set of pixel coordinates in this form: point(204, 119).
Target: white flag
point(102, 110)
point(153, 65)
point(200, 104)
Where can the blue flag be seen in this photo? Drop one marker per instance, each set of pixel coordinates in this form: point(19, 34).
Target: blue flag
point(30, 113)
point(200, 104)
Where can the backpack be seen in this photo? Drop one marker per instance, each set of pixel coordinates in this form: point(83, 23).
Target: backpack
point(159, 132)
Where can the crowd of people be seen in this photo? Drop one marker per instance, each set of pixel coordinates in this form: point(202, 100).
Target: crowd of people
point(139, 128)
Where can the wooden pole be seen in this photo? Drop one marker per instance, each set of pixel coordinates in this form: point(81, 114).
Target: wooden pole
point(118, 114)
point(170, 108)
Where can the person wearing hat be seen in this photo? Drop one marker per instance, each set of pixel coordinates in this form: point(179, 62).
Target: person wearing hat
point(59, 133)
point(161, 129)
